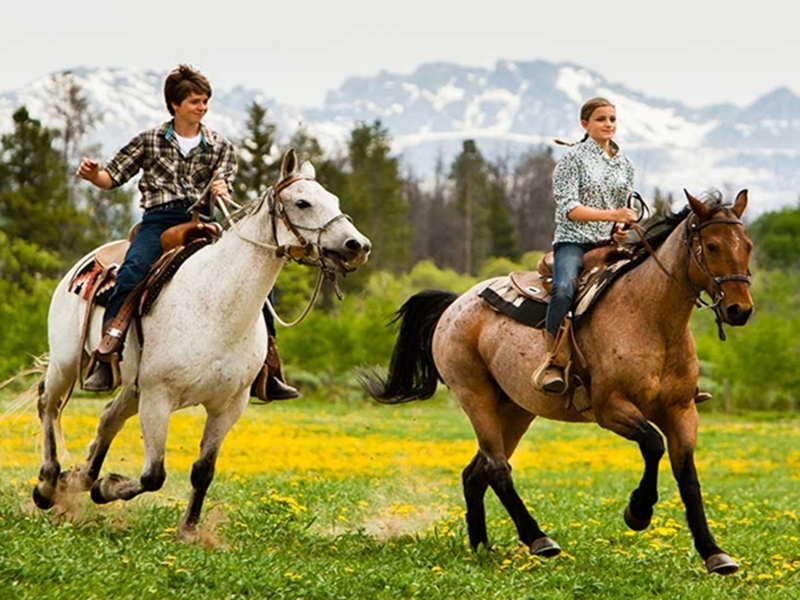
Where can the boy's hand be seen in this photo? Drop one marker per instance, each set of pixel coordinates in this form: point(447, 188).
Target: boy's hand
point(88, 169)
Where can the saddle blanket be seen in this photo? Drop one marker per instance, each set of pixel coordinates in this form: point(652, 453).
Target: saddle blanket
point(522, 295)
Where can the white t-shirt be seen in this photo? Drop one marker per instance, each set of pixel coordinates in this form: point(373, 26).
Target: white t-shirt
point(187, 144)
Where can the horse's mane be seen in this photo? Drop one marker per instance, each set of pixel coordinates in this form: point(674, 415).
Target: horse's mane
point(658, 229)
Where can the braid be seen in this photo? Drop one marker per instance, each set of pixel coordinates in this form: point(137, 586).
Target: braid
point(561, 142)
point(586, 112)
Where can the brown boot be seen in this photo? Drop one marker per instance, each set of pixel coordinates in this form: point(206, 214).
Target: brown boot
point(552, 375)
point(104, 366)
point(270, 383)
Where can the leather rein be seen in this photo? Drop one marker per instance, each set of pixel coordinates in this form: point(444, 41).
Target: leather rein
point(303, 251)
point(693, 232)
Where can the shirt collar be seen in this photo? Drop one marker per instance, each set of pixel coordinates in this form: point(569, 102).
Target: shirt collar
point(597, 149)
point(168, 131)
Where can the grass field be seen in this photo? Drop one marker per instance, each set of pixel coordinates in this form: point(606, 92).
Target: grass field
point(316, 499)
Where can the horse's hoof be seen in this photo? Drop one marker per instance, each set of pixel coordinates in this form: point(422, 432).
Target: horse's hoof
point(634, 522)
point(97, 493)
point(721, 564)
point(40, 500)
point(544, 546)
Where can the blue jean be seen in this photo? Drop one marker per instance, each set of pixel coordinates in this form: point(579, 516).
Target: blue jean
point(567, 265)
point(143, 252)
point(268, 315)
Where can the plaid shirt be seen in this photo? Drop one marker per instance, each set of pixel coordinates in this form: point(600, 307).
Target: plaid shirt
point(167, 174)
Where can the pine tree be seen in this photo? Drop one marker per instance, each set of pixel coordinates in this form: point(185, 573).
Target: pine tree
point(504, 240)
point(471, 197)
point(531, 199)
point(257, 156)
point(374, 196)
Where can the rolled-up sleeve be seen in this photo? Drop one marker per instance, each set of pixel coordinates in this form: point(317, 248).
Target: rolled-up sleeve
point(127, 161)
point(227, 165)
point(566, 185)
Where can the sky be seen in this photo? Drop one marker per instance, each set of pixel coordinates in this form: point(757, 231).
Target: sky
point(698, 52)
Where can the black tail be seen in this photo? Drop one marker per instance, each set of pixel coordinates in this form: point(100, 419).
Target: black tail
point(412, 373)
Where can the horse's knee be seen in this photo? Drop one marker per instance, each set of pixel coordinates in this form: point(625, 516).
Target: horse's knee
point(202, 473)
point(154, 478)
point(652, 445)
point(498, 472)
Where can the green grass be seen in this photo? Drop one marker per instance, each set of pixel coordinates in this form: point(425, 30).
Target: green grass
point(373, 509)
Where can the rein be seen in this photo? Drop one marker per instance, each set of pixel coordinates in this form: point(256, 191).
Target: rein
point(692, 231)
point(304, 250)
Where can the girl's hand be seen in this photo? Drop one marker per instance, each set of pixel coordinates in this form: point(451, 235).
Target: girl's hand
point(624, 215)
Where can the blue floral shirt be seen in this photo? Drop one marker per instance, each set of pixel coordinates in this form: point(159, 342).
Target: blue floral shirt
point(586, 176)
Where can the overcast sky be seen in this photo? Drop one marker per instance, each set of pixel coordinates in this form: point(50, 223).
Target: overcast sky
point(699, 52)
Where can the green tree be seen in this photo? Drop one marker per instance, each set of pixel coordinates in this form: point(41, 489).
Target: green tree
point(468, 175)
point(374, 192)
point(34, 201)
point(776, 236)
point(504, 240)
point(259, 164)
point(25, 291)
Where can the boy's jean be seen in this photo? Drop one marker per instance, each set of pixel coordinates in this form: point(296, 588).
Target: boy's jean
point(144, 251)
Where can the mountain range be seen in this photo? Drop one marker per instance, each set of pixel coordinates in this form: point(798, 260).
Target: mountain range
point(508, 109)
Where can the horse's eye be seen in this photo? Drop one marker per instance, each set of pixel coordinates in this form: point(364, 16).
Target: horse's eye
point(712, 248)
point(302, 203)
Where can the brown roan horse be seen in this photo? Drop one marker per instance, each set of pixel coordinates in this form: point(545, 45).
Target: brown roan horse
point(640, 367)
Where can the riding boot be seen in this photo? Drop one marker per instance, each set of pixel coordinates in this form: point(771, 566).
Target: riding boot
point(552, 375)
point(104, 365)
point(270, 384)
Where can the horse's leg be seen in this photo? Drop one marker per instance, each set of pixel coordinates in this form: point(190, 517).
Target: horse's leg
point(154, 415)
point(114, 416)
point(51, 390)
point(218, 424)
point(680, 427)
point(626, 420)
point(499, 425)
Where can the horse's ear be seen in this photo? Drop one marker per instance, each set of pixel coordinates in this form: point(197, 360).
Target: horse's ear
point(698, 207)
point(289, 163)
point(740, 203)
point(308, 170)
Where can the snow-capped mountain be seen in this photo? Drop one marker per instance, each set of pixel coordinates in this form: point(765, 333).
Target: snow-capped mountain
point(506, 109)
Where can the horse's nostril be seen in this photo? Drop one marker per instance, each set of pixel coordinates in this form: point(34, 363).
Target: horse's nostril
point(353, 245)
point(738, 315)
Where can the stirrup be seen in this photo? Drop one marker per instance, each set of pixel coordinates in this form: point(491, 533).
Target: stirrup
point(268, 387)
point(104, 373)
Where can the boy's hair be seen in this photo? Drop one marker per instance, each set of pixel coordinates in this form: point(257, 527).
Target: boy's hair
point(181, 82)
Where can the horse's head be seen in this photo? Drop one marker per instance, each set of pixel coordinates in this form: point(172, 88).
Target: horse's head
point(308, 216)
point(720, 256)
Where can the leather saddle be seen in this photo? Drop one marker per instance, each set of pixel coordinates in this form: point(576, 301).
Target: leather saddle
point(95, 278)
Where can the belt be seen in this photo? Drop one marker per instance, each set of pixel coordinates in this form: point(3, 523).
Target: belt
point(171, 205)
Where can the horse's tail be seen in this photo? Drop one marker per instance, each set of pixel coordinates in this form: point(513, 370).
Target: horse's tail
point(412, 373)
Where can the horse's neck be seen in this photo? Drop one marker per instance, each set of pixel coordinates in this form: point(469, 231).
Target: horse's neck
point(238, 272)
point(660, 285)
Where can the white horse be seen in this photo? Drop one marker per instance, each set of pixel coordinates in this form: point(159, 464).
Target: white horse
point(204, 340)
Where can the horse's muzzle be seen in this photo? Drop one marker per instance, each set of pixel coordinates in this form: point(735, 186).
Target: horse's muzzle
point(737, 314)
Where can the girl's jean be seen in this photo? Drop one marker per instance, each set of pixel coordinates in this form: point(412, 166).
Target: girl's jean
point(567, 265)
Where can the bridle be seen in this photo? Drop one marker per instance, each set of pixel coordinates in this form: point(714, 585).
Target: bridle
point(693, 242)
point(302, 251)
point(693, 233)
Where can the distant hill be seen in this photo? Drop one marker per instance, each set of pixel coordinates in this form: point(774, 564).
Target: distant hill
point(506, 109)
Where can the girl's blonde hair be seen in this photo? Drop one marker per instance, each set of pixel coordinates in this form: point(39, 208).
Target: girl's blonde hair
point(587, 109)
